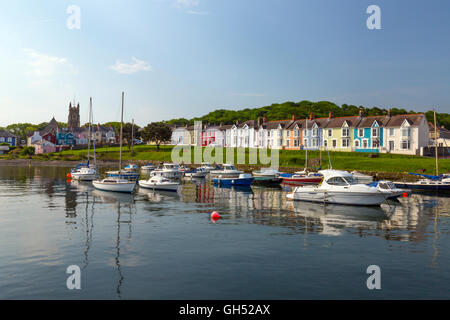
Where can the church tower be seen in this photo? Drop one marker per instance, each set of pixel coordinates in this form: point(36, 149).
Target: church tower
point(74, 117)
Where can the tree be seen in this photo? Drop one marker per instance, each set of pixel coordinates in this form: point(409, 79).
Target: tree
point(157, 132)
point(127, 132)
point(28, 151)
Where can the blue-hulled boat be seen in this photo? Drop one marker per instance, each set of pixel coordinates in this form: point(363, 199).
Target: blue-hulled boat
point(428, 183)
point(244, 179)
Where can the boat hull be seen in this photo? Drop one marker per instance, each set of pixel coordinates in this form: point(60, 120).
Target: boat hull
point(423, 187)
point(234, 182)
point(127, 187)
point(154, 186)
point(83, 177)
point(336, 197)
point(302, 180)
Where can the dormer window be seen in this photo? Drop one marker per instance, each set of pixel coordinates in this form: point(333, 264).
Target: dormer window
point(315, 132)
point(406, 132)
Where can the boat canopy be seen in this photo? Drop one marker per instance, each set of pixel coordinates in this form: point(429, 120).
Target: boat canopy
point(428, 176)
point(327, 174)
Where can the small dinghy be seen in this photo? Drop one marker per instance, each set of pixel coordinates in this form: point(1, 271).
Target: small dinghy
point(244, 179)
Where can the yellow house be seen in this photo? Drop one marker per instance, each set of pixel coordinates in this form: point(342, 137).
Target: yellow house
point(338, 133)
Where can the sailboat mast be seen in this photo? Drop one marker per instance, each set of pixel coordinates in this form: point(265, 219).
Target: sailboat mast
point(436, 145)
point(132, 137)
point(89, 130)
point(307, 141)
point(121, 129)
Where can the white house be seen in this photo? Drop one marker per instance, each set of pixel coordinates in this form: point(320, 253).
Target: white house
point(407, 134)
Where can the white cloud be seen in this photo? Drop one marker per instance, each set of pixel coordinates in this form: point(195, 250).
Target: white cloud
point(43, 65)
point(187, 3)
point(203, 13)
point(130, 68)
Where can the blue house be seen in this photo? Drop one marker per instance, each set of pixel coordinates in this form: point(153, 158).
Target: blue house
point(369, 133)
point(8, 137)
point(65, 138)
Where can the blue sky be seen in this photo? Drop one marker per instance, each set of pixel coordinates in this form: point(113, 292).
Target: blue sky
point(185, 58)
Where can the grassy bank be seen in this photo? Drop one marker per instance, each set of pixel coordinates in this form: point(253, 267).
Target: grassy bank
point(287, 158)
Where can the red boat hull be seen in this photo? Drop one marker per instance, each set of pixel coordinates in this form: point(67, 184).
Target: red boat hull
point(302, 180)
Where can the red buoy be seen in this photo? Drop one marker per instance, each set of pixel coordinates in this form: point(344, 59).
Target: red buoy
point(69, 175)
point(405, 194)
point(215, 216)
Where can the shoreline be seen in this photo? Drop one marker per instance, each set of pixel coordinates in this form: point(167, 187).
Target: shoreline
point(380, 175)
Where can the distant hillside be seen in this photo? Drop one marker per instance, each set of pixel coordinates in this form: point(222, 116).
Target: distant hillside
point(301, 109)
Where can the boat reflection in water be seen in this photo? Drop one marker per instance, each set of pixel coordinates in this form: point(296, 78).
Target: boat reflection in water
point(158, 196)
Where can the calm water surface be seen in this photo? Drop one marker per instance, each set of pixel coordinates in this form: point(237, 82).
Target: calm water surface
point(155, 245)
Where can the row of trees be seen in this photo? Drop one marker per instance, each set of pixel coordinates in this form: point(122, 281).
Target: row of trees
point(301, 109)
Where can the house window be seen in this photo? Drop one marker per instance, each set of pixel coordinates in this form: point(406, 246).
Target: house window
point(305, 143)
point(345, 132)
point(287, 143)
point(406, 144)
point(375, 132)
point(345, 143)
point(296, 133)
point(365, 144)
point(356, 143)
point(2, 139)
point(330, 133)
point(406, 132)
point(315, 132)
point(268, 133)
point(334, 143)
point(325, 143)
point(391, 132)
point(376, 143)
point(315, 142)
point(360, 133)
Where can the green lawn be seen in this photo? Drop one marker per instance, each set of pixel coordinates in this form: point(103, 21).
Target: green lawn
point(287, 158)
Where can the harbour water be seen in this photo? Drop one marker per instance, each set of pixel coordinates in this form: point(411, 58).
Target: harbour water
point(156, 245)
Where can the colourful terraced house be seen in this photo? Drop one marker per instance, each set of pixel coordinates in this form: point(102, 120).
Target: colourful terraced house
point(339, 133)
point(369, 134)
point(313, 133)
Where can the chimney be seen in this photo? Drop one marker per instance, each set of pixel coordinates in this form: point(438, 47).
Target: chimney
point(311, 116)
point(389, 113)
point(237, 122)
point(221, 124)
point(330, 115)
point(264, 119)
point(259, 121)
point(361, 112)
point(293, 117)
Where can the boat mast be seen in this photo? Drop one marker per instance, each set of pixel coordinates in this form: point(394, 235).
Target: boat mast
point(306, 147)
point(132, 138)
point(89, 130)
point(435, 144)
point(121, 129)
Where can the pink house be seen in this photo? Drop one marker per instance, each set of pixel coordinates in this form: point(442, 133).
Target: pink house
point(45, 146)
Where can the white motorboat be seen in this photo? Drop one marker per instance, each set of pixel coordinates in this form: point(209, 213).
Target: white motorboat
point(208, 166)
point(159, 183)
point(169, 171)
point(362, 178)
point(84, 174)
point(389, 189)
point(266, 173)
point(116, 184)
point(339, 187)
point(228, 171)
point(197, 173)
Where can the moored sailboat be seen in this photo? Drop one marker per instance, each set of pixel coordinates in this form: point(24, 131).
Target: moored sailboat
point(116, 184)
